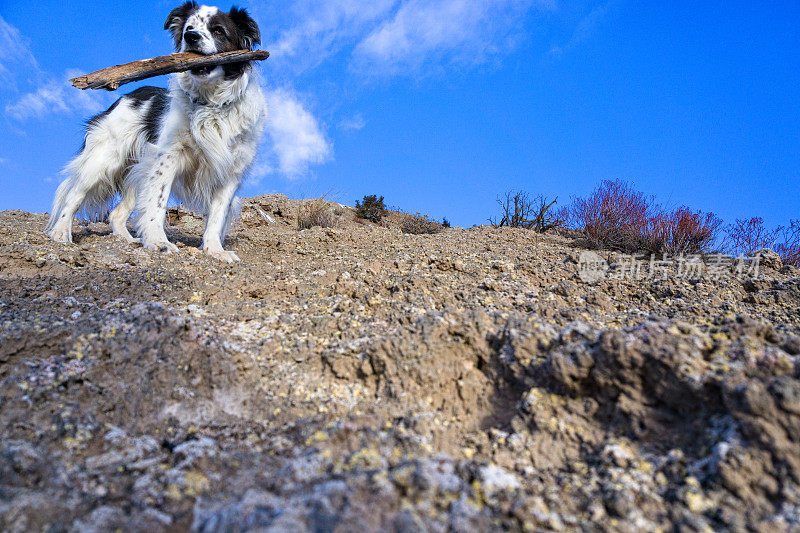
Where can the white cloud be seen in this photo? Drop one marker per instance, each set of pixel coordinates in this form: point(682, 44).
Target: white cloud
point(54, 97)
point(449, 30)
point(324, 28)
point(48, 95)
point(354, 123)
point(297, 138)
point(394, 35)
point(14, 51)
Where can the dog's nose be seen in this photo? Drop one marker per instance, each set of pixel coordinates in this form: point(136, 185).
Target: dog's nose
point(191, 36)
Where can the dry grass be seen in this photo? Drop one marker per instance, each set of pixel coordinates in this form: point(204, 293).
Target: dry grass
point(318, 212)
point(617, 216)
point(419, 224)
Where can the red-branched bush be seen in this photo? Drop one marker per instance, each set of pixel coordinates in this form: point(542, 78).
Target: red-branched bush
point(617, 216)
point(683, 231)
point(614, 216)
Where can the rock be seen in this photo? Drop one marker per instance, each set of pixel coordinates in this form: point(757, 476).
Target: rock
point(495, 479)
point(768, 259)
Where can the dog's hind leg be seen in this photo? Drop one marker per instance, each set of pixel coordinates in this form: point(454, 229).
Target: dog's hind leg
point(86, 188)
point(119, 216)
point(90, 185)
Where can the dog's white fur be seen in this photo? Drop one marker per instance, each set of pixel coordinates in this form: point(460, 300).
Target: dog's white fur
point(206, 141)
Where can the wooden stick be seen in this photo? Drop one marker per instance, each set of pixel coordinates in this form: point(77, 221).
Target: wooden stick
point(112, 77)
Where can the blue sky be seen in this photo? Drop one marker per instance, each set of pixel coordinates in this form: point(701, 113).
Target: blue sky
point(440, 105)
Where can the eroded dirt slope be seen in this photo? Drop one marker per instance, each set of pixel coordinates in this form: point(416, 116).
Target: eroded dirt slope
point(356, 378)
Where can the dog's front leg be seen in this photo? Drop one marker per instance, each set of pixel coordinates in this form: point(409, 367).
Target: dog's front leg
point(152, 195)
point(217, 215)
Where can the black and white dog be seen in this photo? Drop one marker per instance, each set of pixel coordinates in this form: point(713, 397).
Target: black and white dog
point(194, 141)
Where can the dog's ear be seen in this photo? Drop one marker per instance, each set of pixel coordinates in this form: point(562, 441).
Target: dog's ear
point(177, 17)
point(249, 34)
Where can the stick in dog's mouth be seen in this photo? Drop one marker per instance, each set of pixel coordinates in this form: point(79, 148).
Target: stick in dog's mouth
point(111, 78)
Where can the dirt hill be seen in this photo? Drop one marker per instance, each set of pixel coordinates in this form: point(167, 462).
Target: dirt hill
point(357, 379)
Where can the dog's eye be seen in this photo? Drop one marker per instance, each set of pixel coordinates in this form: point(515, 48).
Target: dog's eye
point(219, 31)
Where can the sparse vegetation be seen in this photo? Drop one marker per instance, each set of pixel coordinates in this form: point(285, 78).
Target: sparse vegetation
point(371, 208)
point(419, 224)
point(519, 211)
point(317, 212)
point(618, 217)
point(748, 235)
point(789, 245)
point(445, 223)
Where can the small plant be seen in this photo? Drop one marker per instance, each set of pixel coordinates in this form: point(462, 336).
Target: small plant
point(371, 208)
point(519, 211)
point(318, 212)
point(419, 224)
point(445, 223)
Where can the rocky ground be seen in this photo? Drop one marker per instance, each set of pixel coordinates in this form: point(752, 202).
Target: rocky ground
point(357, 378)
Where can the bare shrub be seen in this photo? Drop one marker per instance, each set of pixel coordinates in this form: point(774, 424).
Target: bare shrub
point(748, 235)
point(419, 224)
point(371, 208)
point(317, 212)
point(544, 220)
point(618, 217)
point(789, 246)
point(519, 211)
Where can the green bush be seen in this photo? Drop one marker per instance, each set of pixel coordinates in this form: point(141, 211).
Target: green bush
point(371, 208)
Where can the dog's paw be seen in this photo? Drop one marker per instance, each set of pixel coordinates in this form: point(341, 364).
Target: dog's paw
point(130, 239)
point(161, 246)
point(223, 255)
point(127, 237)
point(61, 234)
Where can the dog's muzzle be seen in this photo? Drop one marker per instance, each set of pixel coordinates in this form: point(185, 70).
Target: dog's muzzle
point(191, 37)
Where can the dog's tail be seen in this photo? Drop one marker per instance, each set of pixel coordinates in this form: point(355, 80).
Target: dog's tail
point(58, 202)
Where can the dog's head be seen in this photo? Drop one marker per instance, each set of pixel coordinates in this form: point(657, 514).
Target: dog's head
point(207, 30)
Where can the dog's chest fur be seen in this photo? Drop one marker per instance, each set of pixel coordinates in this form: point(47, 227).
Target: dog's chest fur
point(217, 139)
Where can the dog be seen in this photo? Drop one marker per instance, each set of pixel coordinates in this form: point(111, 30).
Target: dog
point(194, 142)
